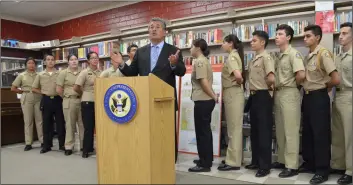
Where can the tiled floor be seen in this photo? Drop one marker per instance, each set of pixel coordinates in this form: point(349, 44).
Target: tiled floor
point(186, 161)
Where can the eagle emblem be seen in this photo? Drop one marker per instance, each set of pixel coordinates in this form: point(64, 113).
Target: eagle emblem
point(119, 104)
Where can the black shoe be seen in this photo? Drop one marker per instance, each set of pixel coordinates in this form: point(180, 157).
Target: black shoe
point(199, 169)
point(28, 147)
point(225, 167)
point(62, 148)
point(277, 165)
point(68, 152)
point(288, 173)
point(338, 172)
point(85, 155)
point(318, 179)
point(262, 173)
point(45, 150)
point(252, 166)
point(344, 180)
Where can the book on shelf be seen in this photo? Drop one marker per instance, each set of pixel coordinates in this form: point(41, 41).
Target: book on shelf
point(341, 18)
point(213, 59)
point(185, 39)
point(244, 32)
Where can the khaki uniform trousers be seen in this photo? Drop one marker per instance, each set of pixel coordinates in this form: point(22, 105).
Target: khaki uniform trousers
point(30, 104)
point(233, 98)
point(341, 128)
point(73, 116)
point(287, 119)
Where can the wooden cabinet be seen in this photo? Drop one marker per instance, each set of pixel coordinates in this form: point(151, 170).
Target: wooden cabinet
point(12, 124)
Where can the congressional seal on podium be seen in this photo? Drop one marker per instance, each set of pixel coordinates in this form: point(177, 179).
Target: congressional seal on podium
point(120, 103)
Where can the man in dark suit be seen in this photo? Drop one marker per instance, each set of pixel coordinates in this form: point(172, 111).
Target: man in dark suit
point(160, 58)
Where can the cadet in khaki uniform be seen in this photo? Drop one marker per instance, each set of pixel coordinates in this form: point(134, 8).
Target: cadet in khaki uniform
point(261, 78)
point(84, 86)
point(30, 102)
point(45, 84)
point(131, 50)
point(290, 73)
point(114, 70)
point(341, 127)
point(204, 99)
point(71, 103)
point(233, 98)
point(316, 134)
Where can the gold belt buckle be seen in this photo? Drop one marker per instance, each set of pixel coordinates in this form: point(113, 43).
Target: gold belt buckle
point(306, 92)
point(252, 92)
point(51, 97)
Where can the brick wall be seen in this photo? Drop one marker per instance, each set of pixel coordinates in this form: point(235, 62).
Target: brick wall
point(131, 15)
point(20, 31)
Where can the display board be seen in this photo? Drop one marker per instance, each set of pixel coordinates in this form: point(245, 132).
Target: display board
point(187, 136)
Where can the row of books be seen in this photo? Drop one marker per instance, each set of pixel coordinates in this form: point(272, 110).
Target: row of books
point(342, 18)
point(244, 32)
point(220, 59)
point(12, 65)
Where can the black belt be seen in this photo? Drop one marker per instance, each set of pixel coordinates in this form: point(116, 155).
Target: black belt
point(343, 88)
point(253, 92)
point(282, 88)
point(73, 96)
point(51, 97)
point(315, 91)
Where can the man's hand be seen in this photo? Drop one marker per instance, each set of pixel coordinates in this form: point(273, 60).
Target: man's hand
point(173, 59)
point(116, 58)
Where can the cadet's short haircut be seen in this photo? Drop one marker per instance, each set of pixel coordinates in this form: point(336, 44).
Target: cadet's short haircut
point(316, 29)
point(287, 29)
point(262, 34)
point(346, 24)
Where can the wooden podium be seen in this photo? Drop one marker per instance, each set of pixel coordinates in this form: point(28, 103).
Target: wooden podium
point(140, 151)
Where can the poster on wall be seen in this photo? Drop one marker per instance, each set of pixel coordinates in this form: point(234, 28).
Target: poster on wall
point(326, 20)
point(187, 136)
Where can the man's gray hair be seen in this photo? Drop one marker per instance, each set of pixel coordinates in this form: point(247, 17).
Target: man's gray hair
point(162, 21)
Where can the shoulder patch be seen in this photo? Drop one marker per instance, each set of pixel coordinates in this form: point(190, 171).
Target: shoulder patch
point(199, 64)
point(327, 55)
point(297, 55)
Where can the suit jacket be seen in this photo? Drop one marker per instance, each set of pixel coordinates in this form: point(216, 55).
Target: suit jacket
point(141, 65)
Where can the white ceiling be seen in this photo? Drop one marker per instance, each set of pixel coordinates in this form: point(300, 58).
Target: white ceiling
point(47, 12)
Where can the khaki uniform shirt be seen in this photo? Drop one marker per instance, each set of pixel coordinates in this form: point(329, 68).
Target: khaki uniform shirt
point(288, 63)
point(86, 80)
point(110, 72)
point(46, 82)
point(344, 67)
point(66, 80)
point(201, 68)
point(315, 78)
point(25, 81)
point(233, 63)
point(259, 68)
